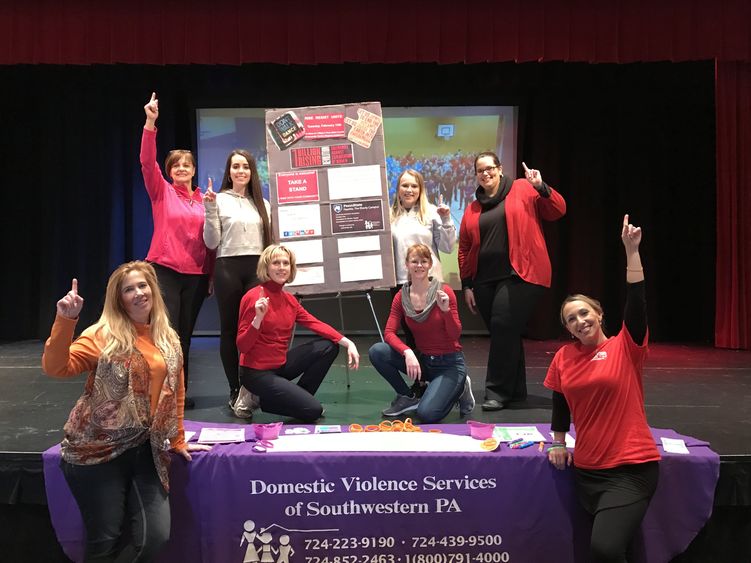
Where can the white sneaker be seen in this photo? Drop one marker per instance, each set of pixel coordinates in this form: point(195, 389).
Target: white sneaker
point(466, 399)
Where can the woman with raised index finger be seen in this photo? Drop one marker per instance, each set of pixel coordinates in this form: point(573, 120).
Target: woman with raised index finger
point(599, 380)
point(504, 266)
point(177, 251)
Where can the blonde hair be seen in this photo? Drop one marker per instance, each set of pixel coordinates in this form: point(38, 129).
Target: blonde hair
point(117, 329)
point(397, 208)
point(262, 271)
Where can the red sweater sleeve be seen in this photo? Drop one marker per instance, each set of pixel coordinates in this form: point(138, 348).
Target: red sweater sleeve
point(393, 323)
point(309, 321)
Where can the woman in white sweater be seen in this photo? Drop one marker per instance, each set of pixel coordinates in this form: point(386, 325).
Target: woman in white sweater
point(238, 226)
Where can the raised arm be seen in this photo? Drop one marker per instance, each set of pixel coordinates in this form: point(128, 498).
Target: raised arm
point(444, 229)
point(62, 357)
point(212, 226)
point(152, 175)
point(635, 311)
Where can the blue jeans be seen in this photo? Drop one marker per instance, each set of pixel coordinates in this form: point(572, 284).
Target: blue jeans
point(123, 493)
point(445, 375)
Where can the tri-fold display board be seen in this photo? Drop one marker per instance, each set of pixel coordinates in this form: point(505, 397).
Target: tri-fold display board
point(329, 195)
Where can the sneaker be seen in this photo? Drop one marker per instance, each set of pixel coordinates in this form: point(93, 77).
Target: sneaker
point(401, 404)
point(466, 399)
point(245, 404)
point(233, 397)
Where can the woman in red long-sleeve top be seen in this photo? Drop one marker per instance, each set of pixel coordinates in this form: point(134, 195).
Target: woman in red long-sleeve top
point(267, 365)
point(505, 268)
point(428, 307)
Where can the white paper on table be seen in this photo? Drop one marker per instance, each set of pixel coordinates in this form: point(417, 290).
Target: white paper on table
point(306, 251)
point(352, 182)
point(570, 442)
point(221, 435)
point(526, 433)
point(359, 244)
point(356, 268)
point(674, 446)
point(377, 442)
point(299, 220)
point(308, 275)
point(189, 434)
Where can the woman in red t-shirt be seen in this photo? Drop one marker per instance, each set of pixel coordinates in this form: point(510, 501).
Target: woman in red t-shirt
point(598, 380)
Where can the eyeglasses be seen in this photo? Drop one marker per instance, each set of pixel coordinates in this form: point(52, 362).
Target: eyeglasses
point(419, 262)
point(488, 170)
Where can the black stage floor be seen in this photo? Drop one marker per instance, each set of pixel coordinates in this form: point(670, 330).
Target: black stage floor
point(698, 391)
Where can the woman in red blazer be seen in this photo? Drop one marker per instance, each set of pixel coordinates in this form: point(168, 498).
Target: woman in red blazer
point(504, 266)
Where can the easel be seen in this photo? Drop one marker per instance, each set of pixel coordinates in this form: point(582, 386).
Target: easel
point(339, 296)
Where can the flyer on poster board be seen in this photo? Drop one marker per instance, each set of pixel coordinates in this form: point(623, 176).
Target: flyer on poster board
point(329, 195)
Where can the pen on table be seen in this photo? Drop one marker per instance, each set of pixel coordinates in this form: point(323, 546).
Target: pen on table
point(523, 445)
point(515, 441)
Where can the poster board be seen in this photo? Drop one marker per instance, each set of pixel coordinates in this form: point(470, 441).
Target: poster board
point(329, 195)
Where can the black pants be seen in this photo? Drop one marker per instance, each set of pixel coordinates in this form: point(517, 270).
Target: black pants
point(274, 387)
point(183, 295)
point(121, 494)
point(233, 277)
point(617, 504)
point(505, 307)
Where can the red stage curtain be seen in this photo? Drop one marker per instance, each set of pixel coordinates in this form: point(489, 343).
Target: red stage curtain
point(733, 292)
point(371, 31)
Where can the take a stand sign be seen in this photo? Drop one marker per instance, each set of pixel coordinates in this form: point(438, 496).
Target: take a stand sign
point(329, 195)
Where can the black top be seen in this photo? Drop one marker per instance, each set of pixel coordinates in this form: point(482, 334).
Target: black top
point(493, 262)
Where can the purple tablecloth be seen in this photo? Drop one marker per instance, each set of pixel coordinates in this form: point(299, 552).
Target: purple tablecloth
point(233, 504)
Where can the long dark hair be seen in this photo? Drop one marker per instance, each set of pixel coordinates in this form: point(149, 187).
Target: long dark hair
point(254, 192)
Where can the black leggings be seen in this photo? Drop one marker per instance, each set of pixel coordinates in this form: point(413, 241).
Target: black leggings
point(613, 530)
point(274, 387)
point(505, 307)
point(183, 295)
point(233, 277)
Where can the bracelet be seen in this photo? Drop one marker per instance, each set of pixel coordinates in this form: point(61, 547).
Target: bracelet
point(556, 447)
point(556, 443)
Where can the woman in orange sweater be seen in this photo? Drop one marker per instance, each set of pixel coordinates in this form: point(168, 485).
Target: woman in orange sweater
point(115, 454)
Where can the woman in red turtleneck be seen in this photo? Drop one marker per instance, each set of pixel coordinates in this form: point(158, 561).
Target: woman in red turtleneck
point(267, 365)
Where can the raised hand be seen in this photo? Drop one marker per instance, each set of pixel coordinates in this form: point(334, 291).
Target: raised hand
point(70, 306)
point(533, 176)
point(262, 305)
point(630, 235)
point(210, 194)
point(443, 209)
point(442, 300)
point(152, 108)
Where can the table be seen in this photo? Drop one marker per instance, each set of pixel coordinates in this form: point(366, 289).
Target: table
point(234, 504)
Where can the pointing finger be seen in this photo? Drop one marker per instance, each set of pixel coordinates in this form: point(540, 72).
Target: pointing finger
point(526, 170)
point(74, 286)
point(211, 184)
point(440, 199)
point(153, 97)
